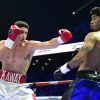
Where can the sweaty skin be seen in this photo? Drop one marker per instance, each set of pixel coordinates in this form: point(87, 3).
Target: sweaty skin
point(88, 57)
point(18, 58)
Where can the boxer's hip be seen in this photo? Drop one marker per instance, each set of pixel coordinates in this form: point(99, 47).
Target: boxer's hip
point(90, 75)
point(12, 77)
point(85, 88)
point(90, 79)
point(11, 90)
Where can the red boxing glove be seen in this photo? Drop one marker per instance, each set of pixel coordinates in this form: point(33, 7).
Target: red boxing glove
point(65, 35)
point(12, 34)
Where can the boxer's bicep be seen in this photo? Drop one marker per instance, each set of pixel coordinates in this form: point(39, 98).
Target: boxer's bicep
point(53, 43)
point(89, 44)
point(44, 45)
point(87, 48)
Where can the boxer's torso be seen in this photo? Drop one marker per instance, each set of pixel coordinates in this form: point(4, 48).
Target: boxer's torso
point(92, 60)
point(18, 58)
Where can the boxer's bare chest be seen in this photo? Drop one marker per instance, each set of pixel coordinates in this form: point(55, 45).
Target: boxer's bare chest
point(17, 58)
point(17, 53)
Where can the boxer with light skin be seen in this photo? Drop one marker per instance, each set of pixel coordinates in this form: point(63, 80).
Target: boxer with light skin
point(20, 54)
point(87, 83)
point(16, 54)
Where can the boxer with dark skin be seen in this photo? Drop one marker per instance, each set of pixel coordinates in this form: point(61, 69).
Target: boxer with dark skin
point(89, 55)
point(87, 83)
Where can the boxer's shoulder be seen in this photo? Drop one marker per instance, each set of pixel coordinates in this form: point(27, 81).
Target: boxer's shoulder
point(26, 42)
point(97, 35)
point(34, 43)
point(2, 42)
point(92, 35)
point(31, 42)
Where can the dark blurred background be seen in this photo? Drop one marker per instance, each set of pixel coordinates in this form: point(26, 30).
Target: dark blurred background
point(45, 18)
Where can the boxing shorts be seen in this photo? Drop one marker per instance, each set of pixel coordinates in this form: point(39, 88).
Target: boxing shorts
point(86, 86)
point(12, 77)
point(91, 75)
point(13, 86)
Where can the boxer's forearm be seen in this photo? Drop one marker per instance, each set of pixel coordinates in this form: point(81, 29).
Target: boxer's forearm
point(45, 45)
point(76, 61)
point(64, 37)
point(53, 43)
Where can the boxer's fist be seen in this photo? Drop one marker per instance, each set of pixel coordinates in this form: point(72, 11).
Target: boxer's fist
point(12, 34)
point(65, 35)
point(57, 74)
point(61, 71)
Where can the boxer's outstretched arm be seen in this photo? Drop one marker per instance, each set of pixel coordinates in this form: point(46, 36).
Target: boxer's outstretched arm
point(45, 45)
point(64, 36)
point(87, 47)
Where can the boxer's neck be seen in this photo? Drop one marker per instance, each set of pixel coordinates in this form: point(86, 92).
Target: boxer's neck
point(17, 44)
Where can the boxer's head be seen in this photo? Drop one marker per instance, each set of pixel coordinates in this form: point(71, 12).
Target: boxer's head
point(22, 24)
point(24, 27)
point(95, 18)
point(95, 11)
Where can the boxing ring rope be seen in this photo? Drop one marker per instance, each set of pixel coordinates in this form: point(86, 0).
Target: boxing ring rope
point(49, 98)
point(51, 83)
point(62, 48)
point(65, 82)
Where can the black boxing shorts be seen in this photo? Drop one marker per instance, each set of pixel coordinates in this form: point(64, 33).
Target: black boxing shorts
point(91, 75)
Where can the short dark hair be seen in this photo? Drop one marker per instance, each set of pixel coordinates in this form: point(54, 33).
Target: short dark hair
point(95, 11)
point(22, 24)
